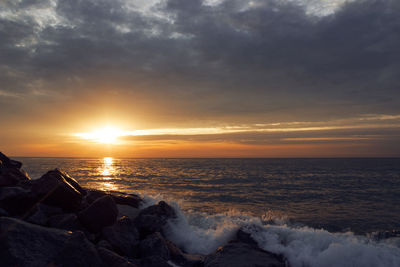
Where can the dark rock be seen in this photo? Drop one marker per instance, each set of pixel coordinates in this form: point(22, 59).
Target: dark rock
point(17, 201)
point(104, 244)
point(154, 245)
point(123, 237)
point(9, 163)
point(244, 237)
point(127, 211)
point(3, 213)
point(119, 197)
point(101, 213)
point(238, 254)
point(11, 172)
point(54, 190)
point(126, 199)
point(42, 214)
point(67, 221)
point(24, 244)
point(94, 194)
point(72, 182)
point(183, 259)
point(153, 218)
point(112, 259)
point(154, 261)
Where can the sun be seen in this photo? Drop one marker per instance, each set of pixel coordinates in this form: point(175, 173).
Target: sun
point(105, 135)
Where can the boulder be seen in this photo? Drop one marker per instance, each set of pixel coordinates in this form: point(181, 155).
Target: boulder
point(244, 237)
point(127, 211)
point(72, 182)
point(55, 190)
point(154, 245)
point(9, 163)
point(24, 244)
point(155, 261)
point(17, 201)
point(112, 259)
point(11, 172)
point(239, 254)
point(101, 213)
point(42, 214)
point(153, 218)
point(123, 237)
point(68, 221)
point(119, 197)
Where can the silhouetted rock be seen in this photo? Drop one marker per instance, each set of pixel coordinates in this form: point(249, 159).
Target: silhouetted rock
point(10, 171)
point(119, 198)
point(183, 259)
point(72, 182)
point(101, 213)
point(17, 201)
point(68, 221)
point(153, 218)
point(42, 214)
point(154, 245)
point(238, 254)
point(128, 211)
point(9, 163)
point(54, 190)
point(112, 259)
point(154, 261)
point(24, 244)
point(244, 237)
point(123, 236)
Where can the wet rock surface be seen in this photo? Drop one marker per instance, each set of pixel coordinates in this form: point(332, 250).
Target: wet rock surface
point(101, 213)
point(241, 254)
point(53, 221)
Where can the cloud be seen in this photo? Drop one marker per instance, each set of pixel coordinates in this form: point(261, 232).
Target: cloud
point(258, 60)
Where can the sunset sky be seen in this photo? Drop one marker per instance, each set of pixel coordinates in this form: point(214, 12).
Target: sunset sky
point(196, 78)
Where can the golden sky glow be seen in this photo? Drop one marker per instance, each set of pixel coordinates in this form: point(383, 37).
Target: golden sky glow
point(200, 79)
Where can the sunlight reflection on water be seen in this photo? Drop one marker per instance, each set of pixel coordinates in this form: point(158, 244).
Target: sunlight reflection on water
point(107, 170)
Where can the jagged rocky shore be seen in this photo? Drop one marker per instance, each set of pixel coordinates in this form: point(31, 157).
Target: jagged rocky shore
point(53, 221)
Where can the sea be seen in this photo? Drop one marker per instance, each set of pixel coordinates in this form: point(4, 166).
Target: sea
point(315, 211)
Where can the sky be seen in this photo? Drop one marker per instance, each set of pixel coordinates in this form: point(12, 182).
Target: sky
point(195, 78)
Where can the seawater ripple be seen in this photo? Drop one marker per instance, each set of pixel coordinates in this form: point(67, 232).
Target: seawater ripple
point(359, 195)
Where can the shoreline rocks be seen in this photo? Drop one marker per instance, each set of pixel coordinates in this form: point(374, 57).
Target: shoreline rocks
point(53, 221)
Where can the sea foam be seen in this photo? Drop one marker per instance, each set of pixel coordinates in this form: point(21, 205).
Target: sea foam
point(201, 233)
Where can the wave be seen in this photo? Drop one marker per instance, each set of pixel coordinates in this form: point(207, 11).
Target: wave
point(201, 233)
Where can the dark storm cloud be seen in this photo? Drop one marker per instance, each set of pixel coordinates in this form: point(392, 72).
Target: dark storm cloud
point(268, 58)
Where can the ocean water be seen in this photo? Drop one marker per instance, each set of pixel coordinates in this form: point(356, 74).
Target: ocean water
point(317, 212)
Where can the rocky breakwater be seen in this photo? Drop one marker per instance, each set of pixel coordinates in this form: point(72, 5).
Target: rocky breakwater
point(53, 221)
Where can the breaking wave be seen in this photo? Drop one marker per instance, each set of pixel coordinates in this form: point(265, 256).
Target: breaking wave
point(201, 233)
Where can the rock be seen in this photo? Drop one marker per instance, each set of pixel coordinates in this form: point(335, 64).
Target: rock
point(238, 254)
point(17, 201)
point(183, 259)
point(101, 213)
point(24, 244)
point(67, 221)
point(72, 182)
point(119, 198)
point(112, 259)
point(54, 190)
point(126, 199)
point(9, 163)
point(153, 218)
point(244, 237)
point(154, 245)
point(155, 261)
point(104, 244)
point(123, 237)
point(127, 211)
point(42, 214)
point(10, 171)
point(3, 213)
